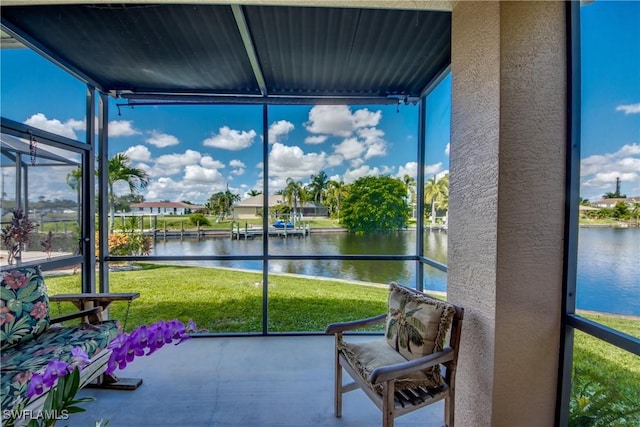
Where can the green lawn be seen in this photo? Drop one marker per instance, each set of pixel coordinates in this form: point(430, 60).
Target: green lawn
point(229, 301)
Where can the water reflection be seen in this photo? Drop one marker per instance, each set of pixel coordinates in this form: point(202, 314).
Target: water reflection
point(400, 243)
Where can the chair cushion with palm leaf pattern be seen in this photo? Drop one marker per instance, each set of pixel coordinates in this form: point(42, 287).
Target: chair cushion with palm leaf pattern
point(24, 306)
point(416, 326)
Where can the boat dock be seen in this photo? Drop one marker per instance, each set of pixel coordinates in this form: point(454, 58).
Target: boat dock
point(251, 233)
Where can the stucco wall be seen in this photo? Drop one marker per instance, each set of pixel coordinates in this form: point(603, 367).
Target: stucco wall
point(506, 204)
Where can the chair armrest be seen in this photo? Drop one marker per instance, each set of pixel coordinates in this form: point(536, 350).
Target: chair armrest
point(335, 328)
point(392, 372)
point(75, 315)
point(95, 297)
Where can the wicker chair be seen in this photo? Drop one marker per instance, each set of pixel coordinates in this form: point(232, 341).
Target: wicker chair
point(410, 367)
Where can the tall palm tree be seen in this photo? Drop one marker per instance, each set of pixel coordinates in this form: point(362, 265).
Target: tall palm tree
point(120, 170)
point(410, 183)
point(318, 186)
point(436, 193)
point(74, 178)
point(292, 193)
point(336, 192)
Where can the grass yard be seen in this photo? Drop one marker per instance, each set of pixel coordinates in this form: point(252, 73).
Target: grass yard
point(230, 301)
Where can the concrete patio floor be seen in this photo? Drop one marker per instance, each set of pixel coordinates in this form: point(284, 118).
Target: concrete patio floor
point(245, 381)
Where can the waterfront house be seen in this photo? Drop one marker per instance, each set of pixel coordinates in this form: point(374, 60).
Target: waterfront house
point(610, 203)
point(165, 208)
point(252, 207)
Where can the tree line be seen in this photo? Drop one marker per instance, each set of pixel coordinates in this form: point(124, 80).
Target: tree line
point(371, 203)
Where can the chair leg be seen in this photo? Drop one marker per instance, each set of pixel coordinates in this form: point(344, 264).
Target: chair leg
point(337, 386)
point(448, 411)
point(388, 392)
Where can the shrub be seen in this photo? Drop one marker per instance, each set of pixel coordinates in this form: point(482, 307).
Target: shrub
point(198, 219)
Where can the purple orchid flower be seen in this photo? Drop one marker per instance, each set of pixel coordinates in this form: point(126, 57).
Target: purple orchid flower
point(36, 385)
point(124, 348)
point(54, 370)
point(79, 358)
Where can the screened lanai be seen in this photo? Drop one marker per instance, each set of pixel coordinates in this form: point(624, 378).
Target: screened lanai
point(514, 65)
point(221, 54)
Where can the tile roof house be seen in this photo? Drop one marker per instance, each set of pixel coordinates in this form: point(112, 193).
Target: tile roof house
point(165, 208)
point(251, 208)
point(609, 203)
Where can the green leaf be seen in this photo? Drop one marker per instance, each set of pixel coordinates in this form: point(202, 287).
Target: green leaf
point(7, 294)
point(74, 409)
point(15, 306)
point(28, 290)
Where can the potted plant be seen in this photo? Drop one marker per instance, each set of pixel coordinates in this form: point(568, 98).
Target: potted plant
point(16, 235)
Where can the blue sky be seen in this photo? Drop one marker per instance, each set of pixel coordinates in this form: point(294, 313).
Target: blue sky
point(192, 152)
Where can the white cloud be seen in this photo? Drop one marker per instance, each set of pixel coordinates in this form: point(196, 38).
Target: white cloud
point(356, 163)
point(315, 139)
point(67, 129)
point(239, 167)
point(334, 160)
point(118, 128)
point(409, 168)
point(138, 153)
point(195, 174)
point(350, 148)
point(629, 108)
point(433, 169)
point(376, 149)
point(171, 164)
point(375, 145)
point(366, 118)
point(230, 139)
point(338, 120)
point(209, 163)
point(447, 149)
point(599, 172)
point(162, 140)
point(196, 188)
point(365, 170)
point(279, 130)
point(291, 161)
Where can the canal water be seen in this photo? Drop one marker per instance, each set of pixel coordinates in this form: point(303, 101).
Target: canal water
point(608, 261)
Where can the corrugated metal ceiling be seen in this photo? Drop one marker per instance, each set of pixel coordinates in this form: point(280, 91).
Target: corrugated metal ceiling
point(300, 52)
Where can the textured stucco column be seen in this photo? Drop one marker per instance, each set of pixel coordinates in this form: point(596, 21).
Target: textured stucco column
point(507, 181)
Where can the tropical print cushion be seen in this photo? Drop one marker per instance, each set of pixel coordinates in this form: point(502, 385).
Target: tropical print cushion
point(24, 306)
point(416, 323)
point(20, 362)
point(367, 356)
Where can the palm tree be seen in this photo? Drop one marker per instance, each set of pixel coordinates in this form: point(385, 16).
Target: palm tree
point(318, 186)
point(436, 193)
point(410, 183)
point(119, 170)
point(253, 193)
point(336, 191)
point(292, 193)
point(74, 178)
